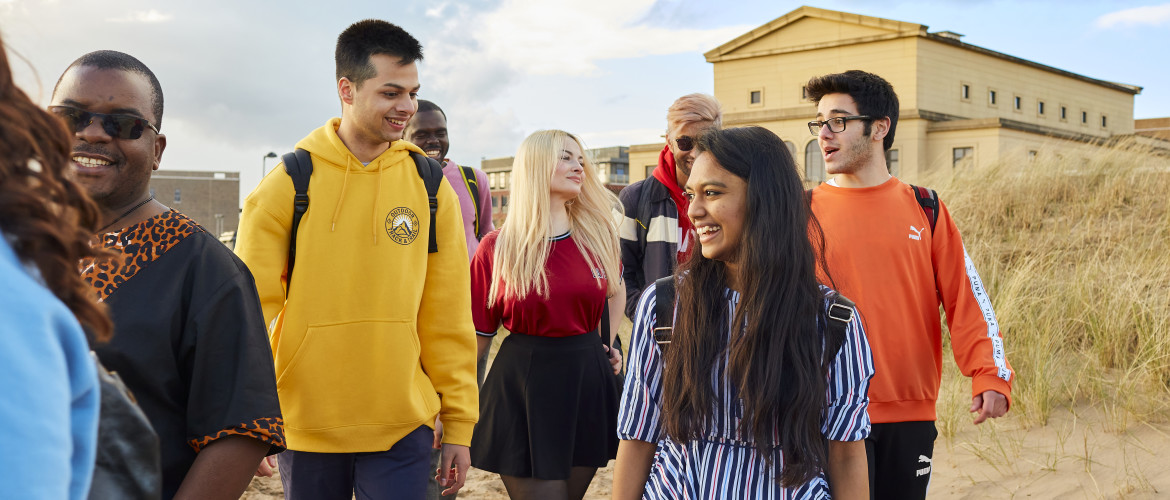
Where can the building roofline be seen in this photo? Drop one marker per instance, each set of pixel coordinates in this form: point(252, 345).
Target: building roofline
point(899, 29)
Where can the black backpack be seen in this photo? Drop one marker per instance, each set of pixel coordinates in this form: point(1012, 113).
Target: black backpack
point(840, 313)
point(299, 165)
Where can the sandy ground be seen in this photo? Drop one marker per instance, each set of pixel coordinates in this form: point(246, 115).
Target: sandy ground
point(1077, 455)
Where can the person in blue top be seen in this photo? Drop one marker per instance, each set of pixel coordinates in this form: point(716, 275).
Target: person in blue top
point(760, 398)
point(49, 393)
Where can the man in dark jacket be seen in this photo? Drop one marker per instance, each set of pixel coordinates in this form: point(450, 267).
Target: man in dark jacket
point(654, 237)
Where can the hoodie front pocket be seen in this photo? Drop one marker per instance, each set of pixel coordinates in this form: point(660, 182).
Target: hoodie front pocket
point(357, 373)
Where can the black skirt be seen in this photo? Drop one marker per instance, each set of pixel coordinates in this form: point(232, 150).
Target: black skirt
point(548, 404)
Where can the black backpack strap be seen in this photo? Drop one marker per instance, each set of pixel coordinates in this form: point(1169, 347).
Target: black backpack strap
point(928, 199)
point(839, 315)
point(663, 311)
point(299, 165)
point(472, 184)
point(432, 175)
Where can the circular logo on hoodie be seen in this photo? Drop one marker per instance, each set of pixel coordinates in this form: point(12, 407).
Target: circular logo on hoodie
point(402, 225)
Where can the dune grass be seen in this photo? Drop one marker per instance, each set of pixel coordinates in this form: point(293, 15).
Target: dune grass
point(1075, 252)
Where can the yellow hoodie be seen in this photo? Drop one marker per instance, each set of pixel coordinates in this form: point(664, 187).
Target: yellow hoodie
point(375, 337)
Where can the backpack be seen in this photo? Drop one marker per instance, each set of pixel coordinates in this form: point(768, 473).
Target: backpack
point(839, 316)
point(928, 200)
point(472, 184)
point(299, 165)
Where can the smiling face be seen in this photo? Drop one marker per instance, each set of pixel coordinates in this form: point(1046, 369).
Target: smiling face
point(850, 151)
point(718, 209)
point(568, 174)
point(428, 130)
point(378, 108)
point(684, 160)
point(115, 172)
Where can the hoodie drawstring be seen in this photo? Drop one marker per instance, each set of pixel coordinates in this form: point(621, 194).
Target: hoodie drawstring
point(374, 207)
point(341, 199)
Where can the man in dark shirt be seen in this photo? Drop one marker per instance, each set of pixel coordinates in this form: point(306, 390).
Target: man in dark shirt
point(189, 337)
point(655, 233)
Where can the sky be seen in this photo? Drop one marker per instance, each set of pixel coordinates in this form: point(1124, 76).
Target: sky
point(243, 78)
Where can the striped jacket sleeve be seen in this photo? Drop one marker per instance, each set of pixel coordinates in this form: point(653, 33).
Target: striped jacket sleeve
point(639, 415)
point(846, 417)
point(975, 335)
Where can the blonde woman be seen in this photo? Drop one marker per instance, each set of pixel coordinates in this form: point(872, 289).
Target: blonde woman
point(548, 406)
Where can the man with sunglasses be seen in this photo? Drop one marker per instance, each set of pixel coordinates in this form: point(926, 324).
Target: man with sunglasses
point(654, 238)
point(899, 258)
point(189, 338)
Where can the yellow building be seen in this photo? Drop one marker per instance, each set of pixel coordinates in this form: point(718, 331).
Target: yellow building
point(960, 104)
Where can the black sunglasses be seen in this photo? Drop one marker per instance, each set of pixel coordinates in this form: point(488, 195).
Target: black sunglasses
point(120, 126)
point(685, 143)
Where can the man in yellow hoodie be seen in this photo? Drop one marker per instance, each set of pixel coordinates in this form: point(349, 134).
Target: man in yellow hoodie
point(373, 338)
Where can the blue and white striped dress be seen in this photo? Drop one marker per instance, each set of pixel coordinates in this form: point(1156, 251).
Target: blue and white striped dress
point(725, 464)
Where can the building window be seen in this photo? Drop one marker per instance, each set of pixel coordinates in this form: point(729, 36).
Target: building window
point(1084, 117)
point(963, 157)
point(965, 92)
point(650, 171)
point(1017, 102)
point(1040, 107)
point(814, 163)
point(504, 203)
point(991, 97)
point(1063, 113)
point(619, 174)
point(1032, 155)
point(791, 149)
point(756, 97)
point(1102, 121)
point(495, 202)
point(892, 161)
point(804, 93)
point(178, 196)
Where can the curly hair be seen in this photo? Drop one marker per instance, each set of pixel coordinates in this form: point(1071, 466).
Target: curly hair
point(48, 218)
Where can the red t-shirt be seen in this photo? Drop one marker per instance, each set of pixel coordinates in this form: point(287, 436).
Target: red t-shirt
point(575, 299)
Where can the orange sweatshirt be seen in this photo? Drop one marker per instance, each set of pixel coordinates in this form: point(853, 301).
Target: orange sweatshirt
point(881, 253)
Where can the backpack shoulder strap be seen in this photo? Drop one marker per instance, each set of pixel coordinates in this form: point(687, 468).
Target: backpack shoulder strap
point(663, 311)
point(928, 199)
point(432, 176)
point(840, 314)
point(472, 184)
point(298, 165)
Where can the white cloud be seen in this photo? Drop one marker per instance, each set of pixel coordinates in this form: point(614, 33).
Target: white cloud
point(436, 12)
point(142, 16)
point(550, 38)
point(1151, 15)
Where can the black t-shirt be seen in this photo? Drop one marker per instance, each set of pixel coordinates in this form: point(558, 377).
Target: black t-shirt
point(189, 338)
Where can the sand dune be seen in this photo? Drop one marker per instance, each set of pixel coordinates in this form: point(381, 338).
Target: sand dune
point(1079, 454)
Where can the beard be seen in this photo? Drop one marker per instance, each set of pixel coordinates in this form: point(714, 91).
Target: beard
point(853, 157)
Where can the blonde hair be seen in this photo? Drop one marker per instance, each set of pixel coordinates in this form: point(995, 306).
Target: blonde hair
point(693, 108)
point(523, 245)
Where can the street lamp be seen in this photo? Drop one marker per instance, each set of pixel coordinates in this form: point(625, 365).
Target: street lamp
point(264, 163)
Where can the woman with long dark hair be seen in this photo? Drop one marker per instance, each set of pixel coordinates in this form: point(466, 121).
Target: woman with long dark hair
point(548, 407)
point(48, 382)
point(757, 395)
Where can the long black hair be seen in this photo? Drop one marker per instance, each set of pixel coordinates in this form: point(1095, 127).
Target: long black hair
point(778, 363)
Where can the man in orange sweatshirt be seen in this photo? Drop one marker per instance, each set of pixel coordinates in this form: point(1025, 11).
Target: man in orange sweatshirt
point(884, 252)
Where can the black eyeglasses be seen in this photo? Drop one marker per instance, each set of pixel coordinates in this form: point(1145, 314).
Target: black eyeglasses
point(120, 126)
point(836, 124)
point(685, 143)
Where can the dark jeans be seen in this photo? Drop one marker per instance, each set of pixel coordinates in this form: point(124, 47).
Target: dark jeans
point(900, 460)
point(400, 472)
